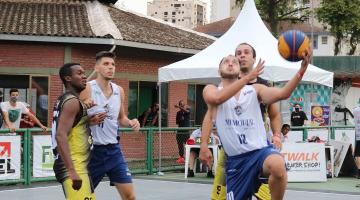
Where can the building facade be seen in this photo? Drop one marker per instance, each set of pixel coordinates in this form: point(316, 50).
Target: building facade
point(185, 13)
point(219, 10)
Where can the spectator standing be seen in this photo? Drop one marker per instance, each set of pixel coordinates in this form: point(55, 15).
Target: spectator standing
point(182, 120)
point(12, 111)
point(298, 117)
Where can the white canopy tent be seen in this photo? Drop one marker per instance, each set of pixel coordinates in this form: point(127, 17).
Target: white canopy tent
point(249, 28)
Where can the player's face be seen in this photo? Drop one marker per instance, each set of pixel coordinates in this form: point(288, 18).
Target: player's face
point(244, 54)
point(78, 78)
point(106, 68)
point(229, 68)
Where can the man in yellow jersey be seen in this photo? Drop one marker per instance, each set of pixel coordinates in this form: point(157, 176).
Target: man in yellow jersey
point(70, 136)
point(246, 55)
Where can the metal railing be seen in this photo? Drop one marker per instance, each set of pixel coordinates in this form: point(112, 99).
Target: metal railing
point(141, 150)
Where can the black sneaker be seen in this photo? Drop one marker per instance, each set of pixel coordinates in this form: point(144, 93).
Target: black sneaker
point(191, 173)
point(210, 174)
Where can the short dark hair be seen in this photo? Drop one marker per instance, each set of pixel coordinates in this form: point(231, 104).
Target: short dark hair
point(104, 54)
point(252, 48)
point(285, 126)
point(13, 90)
point(66, 70)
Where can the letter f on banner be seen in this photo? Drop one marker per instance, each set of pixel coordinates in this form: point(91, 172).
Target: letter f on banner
point(5, 149)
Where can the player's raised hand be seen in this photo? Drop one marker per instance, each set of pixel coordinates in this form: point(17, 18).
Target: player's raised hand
point(258, 70)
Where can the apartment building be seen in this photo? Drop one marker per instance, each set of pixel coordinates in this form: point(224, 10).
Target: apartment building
point(185, 13)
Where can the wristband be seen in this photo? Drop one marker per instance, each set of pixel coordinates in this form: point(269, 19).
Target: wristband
point(300, 75)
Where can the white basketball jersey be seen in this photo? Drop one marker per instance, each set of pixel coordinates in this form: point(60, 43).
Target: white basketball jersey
point(240, 124)
point(106, 132)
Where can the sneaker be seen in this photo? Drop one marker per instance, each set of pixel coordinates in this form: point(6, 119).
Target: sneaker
point(210, 174)
point(180, 160)
point(191, 173)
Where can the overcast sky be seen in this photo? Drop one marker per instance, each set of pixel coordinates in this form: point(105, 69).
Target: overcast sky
point(140, 5)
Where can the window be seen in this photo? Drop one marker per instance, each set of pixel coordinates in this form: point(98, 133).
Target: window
point(173, 20)
point(155, 12)
point(315, 42)
point(165, 13)
point(196, 103)
point(173, 13)
point(324, 39)
point(177, 5)
point(142, 95)
point(32, 90)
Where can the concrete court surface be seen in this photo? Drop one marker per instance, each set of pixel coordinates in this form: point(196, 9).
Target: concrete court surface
point(156, 190)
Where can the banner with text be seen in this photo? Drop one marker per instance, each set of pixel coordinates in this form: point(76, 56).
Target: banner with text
point(43, 158)
point(305, 161)
point(10, 157)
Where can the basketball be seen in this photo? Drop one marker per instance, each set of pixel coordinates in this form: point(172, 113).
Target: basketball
point(292, 44)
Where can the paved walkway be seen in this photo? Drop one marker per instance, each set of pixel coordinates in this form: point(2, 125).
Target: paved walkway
point(173, 186)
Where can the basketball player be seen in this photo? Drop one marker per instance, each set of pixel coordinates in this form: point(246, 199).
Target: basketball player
point(106, 156)
point(243, 52)
point(70, 136)
point(235, 108)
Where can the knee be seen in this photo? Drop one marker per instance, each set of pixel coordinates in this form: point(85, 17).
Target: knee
point(130, 196)
point(278, 171)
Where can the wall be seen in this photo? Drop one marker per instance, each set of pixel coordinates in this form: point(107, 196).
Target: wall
point(131, 65)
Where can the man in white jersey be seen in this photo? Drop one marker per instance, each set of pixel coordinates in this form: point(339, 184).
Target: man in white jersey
point(108, 114)
point(357, 137)
point(235, 108)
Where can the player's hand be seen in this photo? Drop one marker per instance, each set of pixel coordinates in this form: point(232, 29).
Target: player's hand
point(205, 156)
point(306, 59)
point(134, 124)
point(89, 103)
point(76, 180)
point(44, 128)
point(97, 119)
point(259, 69)
point(277, 142)
point(12, 129)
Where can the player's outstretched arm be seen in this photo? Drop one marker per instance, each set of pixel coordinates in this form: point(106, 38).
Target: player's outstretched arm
point(269, 95)
point(275, 124)
point(205, 154)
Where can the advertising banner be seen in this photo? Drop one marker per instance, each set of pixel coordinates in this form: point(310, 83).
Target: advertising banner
point(340, 150)
point(305, 162)
point(43, 158)
point(320, 115)
point(10, 157)
point(346, 135)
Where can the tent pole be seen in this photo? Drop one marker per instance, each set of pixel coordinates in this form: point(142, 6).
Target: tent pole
point(159, 173)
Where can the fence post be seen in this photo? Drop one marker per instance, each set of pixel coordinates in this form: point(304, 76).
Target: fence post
point(26, 157)
point(305, 134)
point(149, 149)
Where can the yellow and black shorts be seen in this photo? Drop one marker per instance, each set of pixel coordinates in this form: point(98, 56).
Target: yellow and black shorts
point(86, 191)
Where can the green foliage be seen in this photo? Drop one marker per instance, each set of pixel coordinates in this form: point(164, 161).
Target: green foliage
point(343, 17)
point(274, 11)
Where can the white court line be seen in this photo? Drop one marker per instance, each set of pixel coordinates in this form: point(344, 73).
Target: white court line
point(103, 182)
point(33, 188)
point(330, 193)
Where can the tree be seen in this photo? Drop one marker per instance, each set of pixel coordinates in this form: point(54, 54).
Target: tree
point(275, 11)
point(343, 16)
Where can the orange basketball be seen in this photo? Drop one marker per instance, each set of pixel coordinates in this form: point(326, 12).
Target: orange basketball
point(292, 44)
